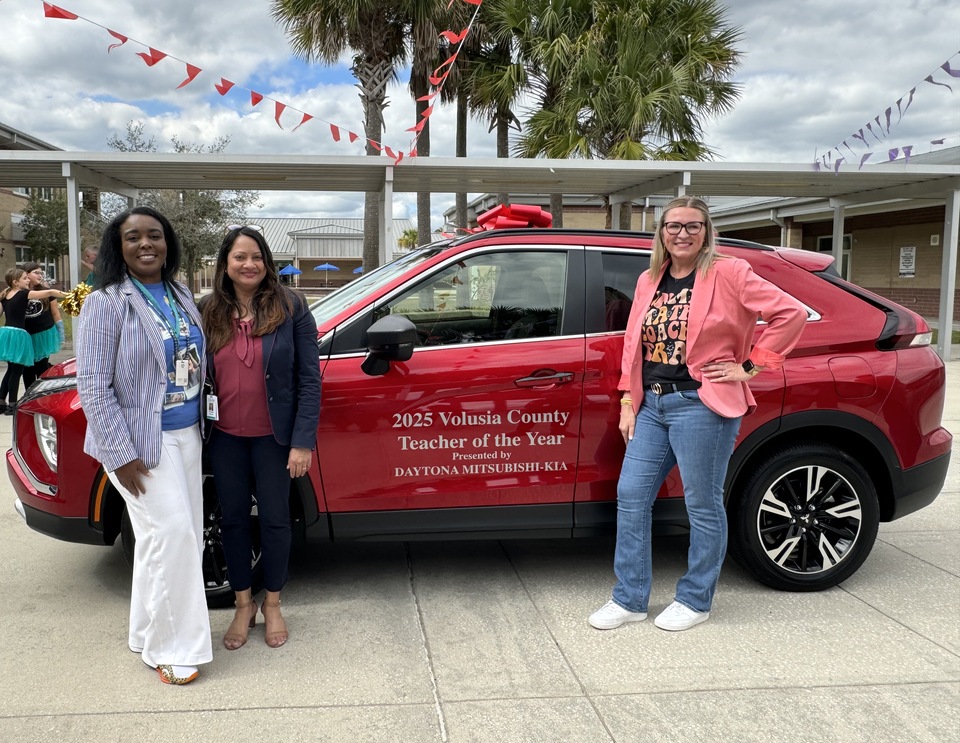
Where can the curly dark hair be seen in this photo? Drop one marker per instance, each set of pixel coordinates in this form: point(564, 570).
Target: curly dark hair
point(110, 267)
point(272, 304)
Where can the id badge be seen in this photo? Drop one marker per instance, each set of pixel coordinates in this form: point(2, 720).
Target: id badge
point(213, 409)
point(181, 373)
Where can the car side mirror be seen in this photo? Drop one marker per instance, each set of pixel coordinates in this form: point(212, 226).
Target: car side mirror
point(390, 338)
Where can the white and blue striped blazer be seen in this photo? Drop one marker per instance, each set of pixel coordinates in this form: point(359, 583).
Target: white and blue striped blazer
point(122, 373)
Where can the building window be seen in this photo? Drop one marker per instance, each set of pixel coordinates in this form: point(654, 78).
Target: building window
point(825, 245)
point(49, 267)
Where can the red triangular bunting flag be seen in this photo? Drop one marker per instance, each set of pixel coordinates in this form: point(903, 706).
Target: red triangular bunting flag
point(335, 132)
point(399, 158)
point(255, 98)
point(376, 145)
point(119, 37)
point(427, 111)
point(390, 153)
point(152, 58)
point(304, 120)
point(278, 109)
point(453, 38)
point(473, 2)
point(52, 11)
point(192, 72)
point(223, 86)
point(413, 152)
point(418, 127)
point(429, 97)
point(438, 80)
point(353, 137)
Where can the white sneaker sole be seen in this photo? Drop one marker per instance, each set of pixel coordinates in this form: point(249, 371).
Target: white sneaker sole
point(662, 624)
point(598, 624)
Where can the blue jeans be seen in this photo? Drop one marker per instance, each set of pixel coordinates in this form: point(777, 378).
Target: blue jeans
point(673, 429)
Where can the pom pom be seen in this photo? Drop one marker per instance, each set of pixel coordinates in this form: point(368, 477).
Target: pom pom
point(72, 303)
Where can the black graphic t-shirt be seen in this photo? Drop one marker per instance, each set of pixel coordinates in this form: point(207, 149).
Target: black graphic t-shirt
point(664, 331)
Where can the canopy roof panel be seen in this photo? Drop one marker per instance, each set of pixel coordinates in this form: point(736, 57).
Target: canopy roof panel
point(629, 179)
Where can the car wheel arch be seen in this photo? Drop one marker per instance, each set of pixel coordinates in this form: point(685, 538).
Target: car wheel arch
point(850, 433)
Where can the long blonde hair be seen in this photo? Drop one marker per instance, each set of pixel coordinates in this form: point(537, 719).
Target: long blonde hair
point(708, 253)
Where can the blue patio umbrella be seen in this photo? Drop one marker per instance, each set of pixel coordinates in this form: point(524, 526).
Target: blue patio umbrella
point(358, 269)
point(325, 267)
point(290, 270)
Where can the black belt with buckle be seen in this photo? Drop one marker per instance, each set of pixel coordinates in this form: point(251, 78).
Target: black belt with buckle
point(662, 388)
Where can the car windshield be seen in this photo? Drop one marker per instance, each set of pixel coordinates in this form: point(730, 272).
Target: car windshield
point(348, 294)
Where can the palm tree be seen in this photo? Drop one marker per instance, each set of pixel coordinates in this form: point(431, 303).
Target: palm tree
point(424, 18)
point(322, 31)
point(644, 75)
point(496, 78)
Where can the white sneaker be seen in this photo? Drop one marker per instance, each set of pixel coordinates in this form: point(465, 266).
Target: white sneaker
point(611, 615)
point(678, 617)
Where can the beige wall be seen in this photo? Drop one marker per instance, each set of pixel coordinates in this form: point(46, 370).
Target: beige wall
point(10, 203)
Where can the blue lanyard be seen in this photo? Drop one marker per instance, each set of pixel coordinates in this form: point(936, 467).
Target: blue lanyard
point(180, 323)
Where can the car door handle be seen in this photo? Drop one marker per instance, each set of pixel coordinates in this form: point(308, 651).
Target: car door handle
point(545, 378)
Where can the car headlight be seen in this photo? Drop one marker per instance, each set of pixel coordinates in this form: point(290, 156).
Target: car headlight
point(45, 427)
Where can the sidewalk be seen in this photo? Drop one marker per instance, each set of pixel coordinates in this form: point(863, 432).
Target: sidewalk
point(488, 641)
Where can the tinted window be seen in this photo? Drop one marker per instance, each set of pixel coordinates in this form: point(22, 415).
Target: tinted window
point(489, 297)
point(620, 274)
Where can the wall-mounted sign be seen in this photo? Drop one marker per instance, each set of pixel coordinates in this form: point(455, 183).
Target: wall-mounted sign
point(908, 262)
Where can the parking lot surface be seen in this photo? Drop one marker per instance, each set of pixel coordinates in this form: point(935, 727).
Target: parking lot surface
point(488, 641)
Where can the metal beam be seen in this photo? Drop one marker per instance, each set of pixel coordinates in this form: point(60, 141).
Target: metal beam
point(386, 218)
point(87, 177)
point(838, 239)
point(677, 183)
point(948, 274)
point(73, 230)
point(936, 188)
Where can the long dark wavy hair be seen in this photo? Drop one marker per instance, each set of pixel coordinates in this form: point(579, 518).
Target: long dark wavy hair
point(272, 304)
point(110, 267)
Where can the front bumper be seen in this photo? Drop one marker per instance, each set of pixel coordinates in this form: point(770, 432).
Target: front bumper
point(69, 529)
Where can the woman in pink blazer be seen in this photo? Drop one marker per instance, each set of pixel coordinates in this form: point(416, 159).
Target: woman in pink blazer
point(687, 359)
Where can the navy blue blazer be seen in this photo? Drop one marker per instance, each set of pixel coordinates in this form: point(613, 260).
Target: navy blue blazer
point(291, 373)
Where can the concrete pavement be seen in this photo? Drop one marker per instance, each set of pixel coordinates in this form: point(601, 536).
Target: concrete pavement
point(489, 642)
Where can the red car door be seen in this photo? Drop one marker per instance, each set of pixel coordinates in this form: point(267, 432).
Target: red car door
point(486, 413)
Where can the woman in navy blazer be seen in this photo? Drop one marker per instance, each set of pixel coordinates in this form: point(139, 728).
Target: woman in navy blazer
point(264, 363)
point(140, 353)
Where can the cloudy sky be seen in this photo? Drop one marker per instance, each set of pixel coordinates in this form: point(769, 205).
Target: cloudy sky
point(813, 73)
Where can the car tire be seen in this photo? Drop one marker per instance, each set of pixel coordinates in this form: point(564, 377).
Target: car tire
point(805, 519)
point(215, 578)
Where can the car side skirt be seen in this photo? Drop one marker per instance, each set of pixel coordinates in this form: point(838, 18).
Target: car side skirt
point(550, 521)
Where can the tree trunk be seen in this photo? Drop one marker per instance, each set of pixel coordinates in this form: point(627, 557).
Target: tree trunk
point(461, 146)
point(556, 209)
point(626, 215)
point(373, 79)
point(503, 147)
point(421, 87)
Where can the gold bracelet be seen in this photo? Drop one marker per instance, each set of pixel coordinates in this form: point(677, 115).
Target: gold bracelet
point(626, 401)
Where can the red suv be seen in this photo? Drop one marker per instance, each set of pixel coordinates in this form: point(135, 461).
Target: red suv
point(469, 391)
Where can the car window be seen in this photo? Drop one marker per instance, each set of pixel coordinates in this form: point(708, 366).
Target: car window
point(488, 297)
point(620, 274)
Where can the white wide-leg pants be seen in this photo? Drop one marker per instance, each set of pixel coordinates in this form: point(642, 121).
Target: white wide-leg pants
point(169, 622)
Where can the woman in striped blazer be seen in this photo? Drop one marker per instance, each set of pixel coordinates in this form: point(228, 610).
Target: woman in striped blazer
point(140, 366)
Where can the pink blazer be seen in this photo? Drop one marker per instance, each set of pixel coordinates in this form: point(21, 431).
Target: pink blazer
point(723, 315)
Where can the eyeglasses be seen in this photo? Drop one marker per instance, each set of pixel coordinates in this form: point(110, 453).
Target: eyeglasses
point(254, 227)
point(692, 228)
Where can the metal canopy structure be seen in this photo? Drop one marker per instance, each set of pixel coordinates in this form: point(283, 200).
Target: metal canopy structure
point(127, 173)
point(628, 179)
